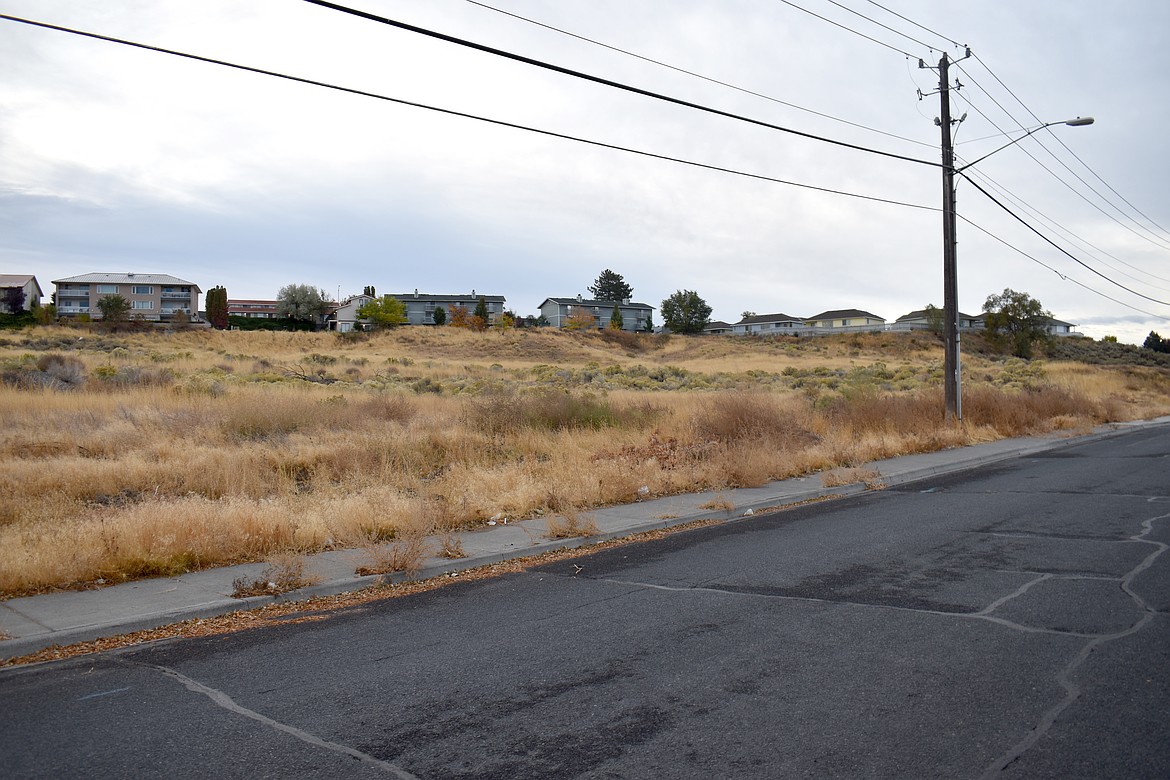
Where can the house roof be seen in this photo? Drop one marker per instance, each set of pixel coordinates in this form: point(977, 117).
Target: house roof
point(920, 314)
point(472, 298)
point(839, 314)
point(755, 319)
point(18, 280)
point(130, 278)
point(575, 301)
point(718, 325)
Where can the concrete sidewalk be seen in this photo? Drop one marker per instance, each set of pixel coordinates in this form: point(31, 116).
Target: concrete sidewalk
point(36, 622)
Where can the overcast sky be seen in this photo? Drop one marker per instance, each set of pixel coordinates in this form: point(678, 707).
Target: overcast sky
point(119, 159)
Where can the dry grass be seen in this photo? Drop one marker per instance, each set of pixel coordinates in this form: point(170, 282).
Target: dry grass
point(285, 573)
point(153, 454)
point(852, 476)
point(404, 556)
point(570, 524)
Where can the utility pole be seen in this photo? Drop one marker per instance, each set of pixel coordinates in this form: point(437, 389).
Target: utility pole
point(952, 389)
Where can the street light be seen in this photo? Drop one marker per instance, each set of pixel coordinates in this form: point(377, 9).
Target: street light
point(1080, 121)
point(952, 379)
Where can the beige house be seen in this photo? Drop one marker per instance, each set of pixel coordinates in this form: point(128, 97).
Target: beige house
point(846, 319)
point(152, 297)
point(26, 283)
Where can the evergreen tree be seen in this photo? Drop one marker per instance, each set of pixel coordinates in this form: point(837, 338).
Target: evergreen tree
point(611, 286)
point(217, 307)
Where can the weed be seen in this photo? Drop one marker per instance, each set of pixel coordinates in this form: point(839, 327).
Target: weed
point(451, 546)
point(405, 555)
point(284, 573)
point(719, 503)
point(571, 524)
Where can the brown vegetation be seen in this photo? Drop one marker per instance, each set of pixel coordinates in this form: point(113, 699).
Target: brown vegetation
point(136, 455)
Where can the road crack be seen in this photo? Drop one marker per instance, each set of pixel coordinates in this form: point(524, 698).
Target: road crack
point(228, 703)
point(1064, 677)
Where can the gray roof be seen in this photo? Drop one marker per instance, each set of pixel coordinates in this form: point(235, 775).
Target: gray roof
point(756, 319)
point(130, 278)
point(574, 301)
point(920, 314)
point(844, 314)
point(415, 296)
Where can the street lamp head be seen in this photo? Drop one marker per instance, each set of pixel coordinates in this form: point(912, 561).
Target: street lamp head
point(1079, 121)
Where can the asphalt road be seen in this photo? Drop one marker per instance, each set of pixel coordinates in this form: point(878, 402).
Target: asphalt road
point(1008, 622)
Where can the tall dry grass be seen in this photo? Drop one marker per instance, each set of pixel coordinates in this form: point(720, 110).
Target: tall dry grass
point(255, 444)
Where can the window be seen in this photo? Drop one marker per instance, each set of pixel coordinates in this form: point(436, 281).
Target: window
point(143, 305)
point(107, 289)
point(142, 289)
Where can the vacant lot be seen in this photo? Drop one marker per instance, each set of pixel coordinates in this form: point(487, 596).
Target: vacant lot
point(133, 455)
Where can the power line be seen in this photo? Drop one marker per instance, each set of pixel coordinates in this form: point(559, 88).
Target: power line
point(1053, 270)
point(916, 24)
point(1153, 239)
point(1060, 249)
point(879, 24)
point(452, 112)
point(1069, 234)
point(678, 69)
point(1067, 148)
point(847, 28)
point(603, 81)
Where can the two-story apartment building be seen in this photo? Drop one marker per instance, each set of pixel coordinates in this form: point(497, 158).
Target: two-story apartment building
point(420, 307)
point(251, 307)
point(560, 311)
point(153, 297)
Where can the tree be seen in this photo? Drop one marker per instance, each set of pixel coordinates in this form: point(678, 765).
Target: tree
point(615, 319)
point(45, 315)
point(935, 320)
point(481, 317)
point(685, 312)
point(460, 316)
point(114, 309)
point(745, 314)
point(1156, 343)
point(1016, 318)
point(217, 307)
point(13, 299)
point(439, 316)
point(581, 319)
point(610, 286)
point(384, 312)
point(369, 290)
point(300, 302)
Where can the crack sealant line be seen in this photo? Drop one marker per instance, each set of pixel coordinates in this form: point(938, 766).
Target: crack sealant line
point(1020, 591)
point(228, 703)
point(1064, 677)
point(888, 607)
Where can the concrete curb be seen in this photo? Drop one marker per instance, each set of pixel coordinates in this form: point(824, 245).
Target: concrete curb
point(616, 522)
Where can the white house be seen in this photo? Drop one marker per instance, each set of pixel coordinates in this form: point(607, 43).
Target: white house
point(24, 282)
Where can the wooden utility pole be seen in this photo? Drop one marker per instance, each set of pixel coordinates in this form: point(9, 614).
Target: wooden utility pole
point(951, 369)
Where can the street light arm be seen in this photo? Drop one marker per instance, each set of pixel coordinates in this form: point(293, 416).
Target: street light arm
point(1078, 122)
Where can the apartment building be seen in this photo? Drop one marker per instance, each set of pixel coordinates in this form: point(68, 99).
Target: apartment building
point(152, 297)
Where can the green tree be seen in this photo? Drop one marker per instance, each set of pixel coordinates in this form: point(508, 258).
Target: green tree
point(615, 319)
point(369, 290)
point(1017, 319)
point(217, 307)
point(301, 302)
point(685, 312)
point(384, 312)
point(610, 286)
point(439, 315)
point(114, 308)
point(480, 318)
point(1156, 343)
point(935, 320)
point(13, 299)
point(745, 314)
point(45, 315)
